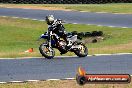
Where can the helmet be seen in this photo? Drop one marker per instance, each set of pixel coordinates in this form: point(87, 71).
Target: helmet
point(49, 19)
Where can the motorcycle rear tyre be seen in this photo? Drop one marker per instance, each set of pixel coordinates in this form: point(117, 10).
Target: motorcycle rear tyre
point(77, 52)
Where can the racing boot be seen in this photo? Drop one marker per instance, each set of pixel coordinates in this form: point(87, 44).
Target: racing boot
point(69, 45)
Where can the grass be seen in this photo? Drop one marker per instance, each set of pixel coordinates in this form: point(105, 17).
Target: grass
point(62, 84)
point(112, 8)
point(18, 35)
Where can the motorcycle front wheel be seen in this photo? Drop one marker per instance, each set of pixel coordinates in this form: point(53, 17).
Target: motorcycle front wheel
point(46, 51)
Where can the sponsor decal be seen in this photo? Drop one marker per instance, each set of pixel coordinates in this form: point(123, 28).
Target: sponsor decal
point(82, 78)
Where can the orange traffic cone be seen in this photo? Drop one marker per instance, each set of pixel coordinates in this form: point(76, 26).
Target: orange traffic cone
point(29, 50)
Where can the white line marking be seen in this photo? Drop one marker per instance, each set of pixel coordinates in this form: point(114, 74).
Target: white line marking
point(101, 54)
point(22, 18)
point(74, 23)
point(52, 79)
point(25, 8)
point(124, 27)
point(16, 8)
point(111, 26)
point(7, 58)
point(4, 16)
point(16, 17)
point(122, 53)
point(83, 11)
point(112, 54)
point(3, 82)
point(34, 19)
point(26, 18)
point(89, 55)
point(89, 24)
point(8, 7)
point(69, 79)
point(101, 12)
point(32, 80)
point(99, 25)
point(121, 13)
point(16, 81)
point(41, 20)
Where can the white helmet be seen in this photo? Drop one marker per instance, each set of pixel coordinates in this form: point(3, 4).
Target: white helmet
point(49, 19)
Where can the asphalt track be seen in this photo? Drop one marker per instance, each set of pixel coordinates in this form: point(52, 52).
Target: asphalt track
point(106, 19)
point(62, 67)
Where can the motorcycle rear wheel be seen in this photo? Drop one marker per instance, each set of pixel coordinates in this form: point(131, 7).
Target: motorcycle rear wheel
point(83, 52)
point(47, 52)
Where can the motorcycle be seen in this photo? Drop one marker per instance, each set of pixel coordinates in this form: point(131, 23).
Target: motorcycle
point(47, 48)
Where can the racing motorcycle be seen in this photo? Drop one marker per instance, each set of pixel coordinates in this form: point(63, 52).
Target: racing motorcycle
point(47, 48)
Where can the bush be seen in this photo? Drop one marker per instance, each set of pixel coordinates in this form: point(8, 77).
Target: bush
point(87, 34)
point(74, 32)
point(100, 33)
point(97, 33)
point(81, 34)
point(94, 33)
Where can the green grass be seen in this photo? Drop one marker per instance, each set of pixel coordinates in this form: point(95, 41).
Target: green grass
point(18, 35)
point(112, 8)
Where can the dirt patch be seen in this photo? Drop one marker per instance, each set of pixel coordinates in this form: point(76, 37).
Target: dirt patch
point(73, 84)
point(121, 48)
point(62, 84)
point(35, 7)
point(93, 39)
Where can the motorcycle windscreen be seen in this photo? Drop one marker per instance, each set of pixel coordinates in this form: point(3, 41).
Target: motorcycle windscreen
point(44, 36)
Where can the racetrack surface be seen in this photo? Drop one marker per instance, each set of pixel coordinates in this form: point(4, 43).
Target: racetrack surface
point(62, 67)
point(106, 19)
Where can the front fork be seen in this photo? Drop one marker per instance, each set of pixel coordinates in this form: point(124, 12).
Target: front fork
point(49, 40)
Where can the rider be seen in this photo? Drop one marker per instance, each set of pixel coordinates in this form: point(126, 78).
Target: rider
point(55, 25)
